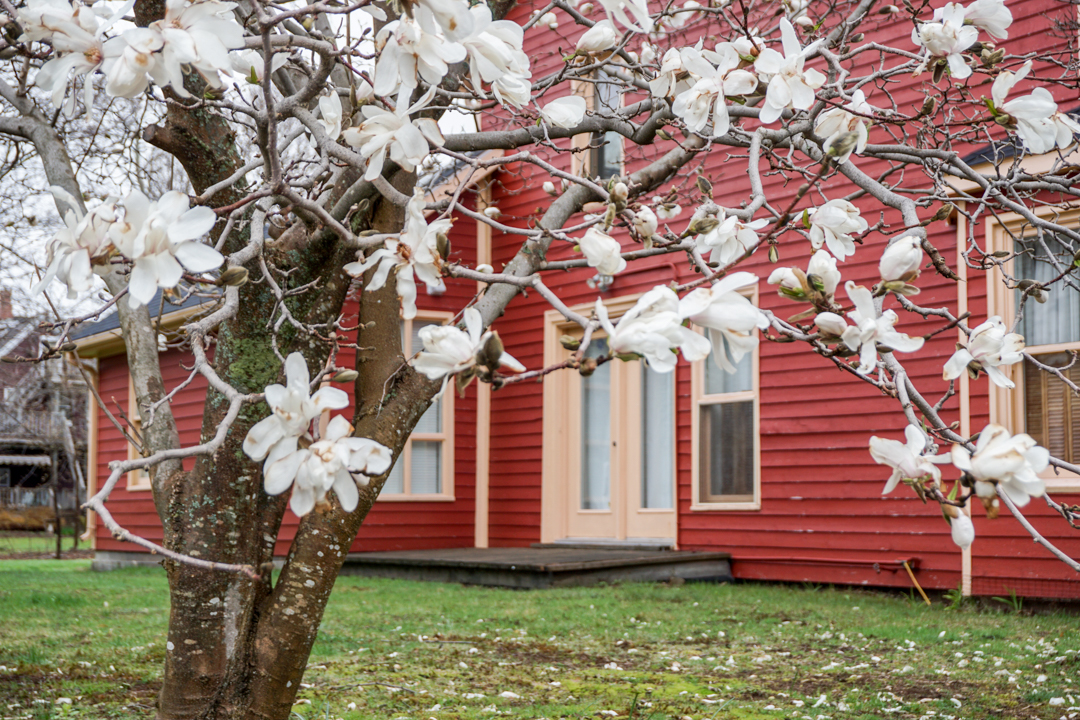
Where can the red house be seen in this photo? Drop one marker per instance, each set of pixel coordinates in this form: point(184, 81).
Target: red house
point(769, 464)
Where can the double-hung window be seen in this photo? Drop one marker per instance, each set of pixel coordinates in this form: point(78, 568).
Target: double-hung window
point(726, 467)
point(425, 469)
point(1051, 332)
point(1041, 404)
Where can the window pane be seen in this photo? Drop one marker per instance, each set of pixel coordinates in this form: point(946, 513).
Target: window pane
point(1058, 319)
point(426, 467)
point(395, 481)
point(727, 451)
point(1052, 411)
point(717, 381)
point(596, 433)
point(431, 421)
point(658, 438)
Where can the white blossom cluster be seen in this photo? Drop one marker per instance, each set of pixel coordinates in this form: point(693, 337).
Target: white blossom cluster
point(159, 239)
point(311, 466)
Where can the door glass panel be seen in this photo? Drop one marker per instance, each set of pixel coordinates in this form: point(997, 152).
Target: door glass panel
point(1058, 319)
point(717, 381)
point(596, 433)
point(658, 438)
point(727, 451)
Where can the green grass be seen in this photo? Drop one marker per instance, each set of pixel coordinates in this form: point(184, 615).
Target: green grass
point(38, 543)
point(395, 649)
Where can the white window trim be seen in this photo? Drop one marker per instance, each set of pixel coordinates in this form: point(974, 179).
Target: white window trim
point(446, 436)
point(139, 479)
point(698, 399)
point(1007, 407)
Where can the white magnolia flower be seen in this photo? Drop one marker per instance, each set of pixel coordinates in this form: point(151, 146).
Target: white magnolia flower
point(730, 239)
point(750, 47)
point(906, 460)
point(821, 276)
point(73, 249)
point(989, 347)
point(602, 252)
point(672, 77)
point(667, 211)
point(948, 38)
point(648, 53)
point(292, 408)
point(565, 112)
point(728, 315)
point(451, 16)
point(1035, 117)
point(902, 260)
point(963, 531)
point(831, 325)
point(161, 239)
point(838, 122)
point(76, 37)
point(330, 115)
point(833, 224)
point(707, 95)
point(1012, 463)
point(600, 37)
point(410, 49)
point(198, 35)
point(653, 329)
point(790, 84)
point(511, 89)
point(645, 222)
point(250, 64)
point(549, 20)
point(386, 132)
point(448, 350)
point(414, 251)
point(618, 9)
point(494, 48)
point(335, 462)
point(137, 54)
point(871, 329)
point(991, 16)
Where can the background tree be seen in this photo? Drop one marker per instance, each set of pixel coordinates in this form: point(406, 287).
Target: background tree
point(293, 135)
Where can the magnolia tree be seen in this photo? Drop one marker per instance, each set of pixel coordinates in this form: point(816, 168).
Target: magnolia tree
point(266, 156)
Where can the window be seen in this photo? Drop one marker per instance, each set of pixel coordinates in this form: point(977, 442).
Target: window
point(1040, 404)
point(726, 453)
point(425, 468)
point(1050, 330)
point(141, 478)
point(605, 157)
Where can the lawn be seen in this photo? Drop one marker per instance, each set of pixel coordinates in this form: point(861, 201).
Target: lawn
point(395, 649)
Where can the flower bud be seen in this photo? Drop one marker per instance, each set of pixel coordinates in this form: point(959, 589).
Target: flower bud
point(619, 192)
point(442, 245)
point(550, 20)
point(701, 226)
point(549, 188)
point(492, 212)
point(484, 268)
point(345, 376)
point(830, 324)
point(587, 367)
point(663, 134)
point(569, 342)
point(491, 352)
point(234, 276)
point(704, 186)
point(901, 260)
point(586, 9)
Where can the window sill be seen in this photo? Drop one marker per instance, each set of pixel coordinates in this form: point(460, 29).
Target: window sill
point(730, 506)
point(398, 497)
point(138, 487)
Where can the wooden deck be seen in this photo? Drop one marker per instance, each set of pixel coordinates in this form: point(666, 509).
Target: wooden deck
point(541, 567)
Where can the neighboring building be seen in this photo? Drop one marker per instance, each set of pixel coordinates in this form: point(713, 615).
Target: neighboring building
point(42, 427)
point(770, 464)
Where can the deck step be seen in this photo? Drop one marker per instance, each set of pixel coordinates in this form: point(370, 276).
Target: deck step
point(541, 567)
